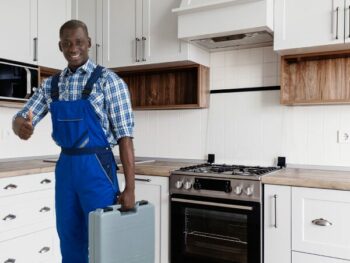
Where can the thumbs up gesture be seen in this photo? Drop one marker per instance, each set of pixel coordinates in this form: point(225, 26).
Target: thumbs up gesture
point(23, 127)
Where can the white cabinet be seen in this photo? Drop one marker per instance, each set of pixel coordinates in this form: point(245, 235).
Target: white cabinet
point(277, 224)
point(90, 12)
point(321, 222)
point(31, 28)
point(313, 25)
point(51, 16)
point(312, 225)
point(27, 226)
point(18, 27)
point(155, 189)
point(135, 32)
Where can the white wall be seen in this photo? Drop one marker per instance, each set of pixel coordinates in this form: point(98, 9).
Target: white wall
point(243, 127)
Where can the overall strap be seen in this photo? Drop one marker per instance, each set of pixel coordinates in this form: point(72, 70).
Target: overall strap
point(54, 87)
point(91, 81)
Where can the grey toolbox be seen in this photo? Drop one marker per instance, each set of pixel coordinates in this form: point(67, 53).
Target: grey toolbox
point(117, 236)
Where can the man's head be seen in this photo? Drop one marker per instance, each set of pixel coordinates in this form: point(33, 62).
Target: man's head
point(74, 43)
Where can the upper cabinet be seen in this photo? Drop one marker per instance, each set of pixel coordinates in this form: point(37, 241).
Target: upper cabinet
point(135, 33)
point(313, 25)
point(18, 27)
point(51, 16)
point(32, 32)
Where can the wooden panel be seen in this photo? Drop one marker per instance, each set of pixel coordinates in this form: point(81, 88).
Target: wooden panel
point(168, 88)
point(46, 72)
point(315, 78)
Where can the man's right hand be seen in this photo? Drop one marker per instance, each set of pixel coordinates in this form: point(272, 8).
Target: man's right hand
point(23, 127)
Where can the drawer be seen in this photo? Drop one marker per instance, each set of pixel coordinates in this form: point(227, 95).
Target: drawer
point(308, 258)
point(26, 183)
point(320, 222)
point(24, 210)
point(36, 247)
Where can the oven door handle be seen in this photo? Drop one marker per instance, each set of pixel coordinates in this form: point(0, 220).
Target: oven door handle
point(188, 201)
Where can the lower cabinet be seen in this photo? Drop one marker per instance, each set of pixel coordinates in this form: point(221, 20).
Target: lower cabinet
point(155, 189)
point(306, 225)
point(27, 220)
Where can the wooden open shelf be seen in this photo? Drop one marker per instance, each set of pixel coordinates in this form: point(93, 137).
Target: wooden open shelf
point(174, 87)
point(318, 78)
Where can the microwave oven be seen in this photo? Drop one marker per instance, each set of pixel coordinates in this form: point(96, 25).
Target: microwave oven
point(17, 81)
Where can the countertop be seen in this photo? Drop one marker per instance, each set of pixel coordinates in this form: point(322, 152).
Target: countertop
point(146, 167)
point(327, 179)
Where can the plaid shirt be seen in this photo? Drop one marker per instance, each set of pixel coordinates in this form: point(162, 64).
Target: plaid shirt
point(109, 97)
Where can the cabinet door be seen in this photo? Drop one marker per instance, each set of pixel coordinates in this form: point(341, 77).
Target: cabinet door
point(303, 258)
point(18, 27)
point(277, 224)
point(155, 189)
point(321, 222)
point(160, 28)
point(90, 12)
point(49, 54)
point(119, 35)
point(301, 24)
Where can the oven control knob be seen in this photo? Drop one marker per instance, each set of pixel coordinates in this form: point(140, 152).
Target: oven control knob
point(238, 190)
point(187, 185)
point(178, 184)
point(249, 191)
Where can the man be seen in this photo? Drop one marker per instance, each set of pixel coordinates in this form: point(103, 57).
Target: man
point(91, 112)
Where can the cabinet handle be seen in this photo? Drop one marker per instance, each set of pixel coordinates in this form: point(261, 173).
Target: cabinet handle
point(44, 250)
point(10, 260)
point(275, 201)
point(97, 48)
point(10, 187)
point(9, 217)
point(142, 180)
point(35, 51)
point(45, 181)
point(336, 29)
point(144, 48)
point(137, 40)
point(321, 222)
point(44, 209)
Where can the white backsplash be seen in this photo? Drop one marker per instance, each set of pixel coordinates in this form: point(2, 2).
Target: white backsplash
point(241, 127)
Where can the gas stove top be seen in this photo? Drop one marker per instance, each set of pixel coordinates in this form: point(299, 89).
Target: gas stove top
point(227, 171)
point(220, 181)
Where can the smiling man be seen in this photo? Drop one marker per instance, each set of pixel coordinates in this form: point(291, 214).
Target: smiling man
point(91, 112)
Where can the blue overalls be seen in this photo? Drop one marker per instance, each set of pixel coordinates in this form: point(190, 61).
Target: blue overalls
point(85, 172)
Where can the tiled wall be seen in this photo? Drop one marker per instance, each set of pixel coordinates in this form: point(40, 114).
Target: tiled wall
point(241, 127)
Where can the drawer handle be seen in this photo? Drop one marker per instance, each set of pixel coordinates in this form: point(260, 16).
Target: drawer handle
point(321, 222)
point(10, 260)
point(44, 209)
point(143, 180)
point(46, 181)
point(10, 187)
point(9, 217)
point(44, 250)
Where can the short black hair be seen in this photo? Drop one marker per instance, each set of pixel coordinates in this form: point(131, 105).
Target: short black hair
point(74, 24)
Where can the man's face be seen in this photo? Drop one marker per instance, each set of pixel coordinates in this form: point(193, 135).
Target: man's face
point(75, 44)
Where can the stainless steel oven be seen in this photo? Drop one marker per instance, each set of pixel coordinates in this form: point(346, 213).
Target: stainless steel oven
point(216, 214)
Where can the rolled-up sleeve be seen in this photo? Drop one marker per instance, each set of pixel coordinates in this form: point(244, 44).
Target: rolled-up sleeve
point(118, 106)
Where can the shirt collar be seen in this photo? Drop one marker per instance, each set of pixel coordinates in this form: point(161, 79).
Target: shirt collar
point(88, 67)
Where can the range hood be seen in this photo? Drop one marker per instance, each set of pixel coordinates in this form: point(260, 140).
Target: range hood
point(226, 24)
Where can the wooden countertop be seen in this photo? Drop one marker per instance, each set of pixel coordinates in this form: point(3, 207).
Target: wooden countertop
point(328, 179)
point(17, 168)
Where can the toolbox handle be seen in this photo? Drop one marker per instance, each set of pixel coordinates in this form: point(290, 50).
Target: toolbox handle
point(125, 211)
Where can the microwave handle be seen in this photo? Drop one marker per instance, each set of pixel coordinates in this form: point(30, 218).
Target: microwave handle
point(29, 83)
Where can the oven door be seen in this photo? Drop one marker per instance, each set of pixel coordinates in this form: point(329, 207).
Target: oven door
point(208, 230)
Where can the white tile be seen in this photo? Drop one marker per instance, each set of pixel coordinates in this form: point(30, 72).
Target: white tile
point(217, 59)
point(269, 55)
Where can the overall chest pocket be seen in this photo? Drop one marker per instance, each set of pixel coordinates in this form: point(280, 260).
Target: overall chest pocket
point(70, 126)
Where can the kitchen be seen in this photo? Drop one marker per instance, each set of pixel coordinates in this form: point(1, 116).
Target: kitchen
point(249, 128)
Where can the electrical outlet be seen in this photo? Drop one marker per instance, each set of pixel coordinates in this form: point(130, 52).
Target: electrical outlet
point(343, 136)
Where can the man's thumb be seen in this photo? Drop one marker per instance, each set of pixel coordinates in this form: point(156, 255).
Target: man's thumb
point(30, 116)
